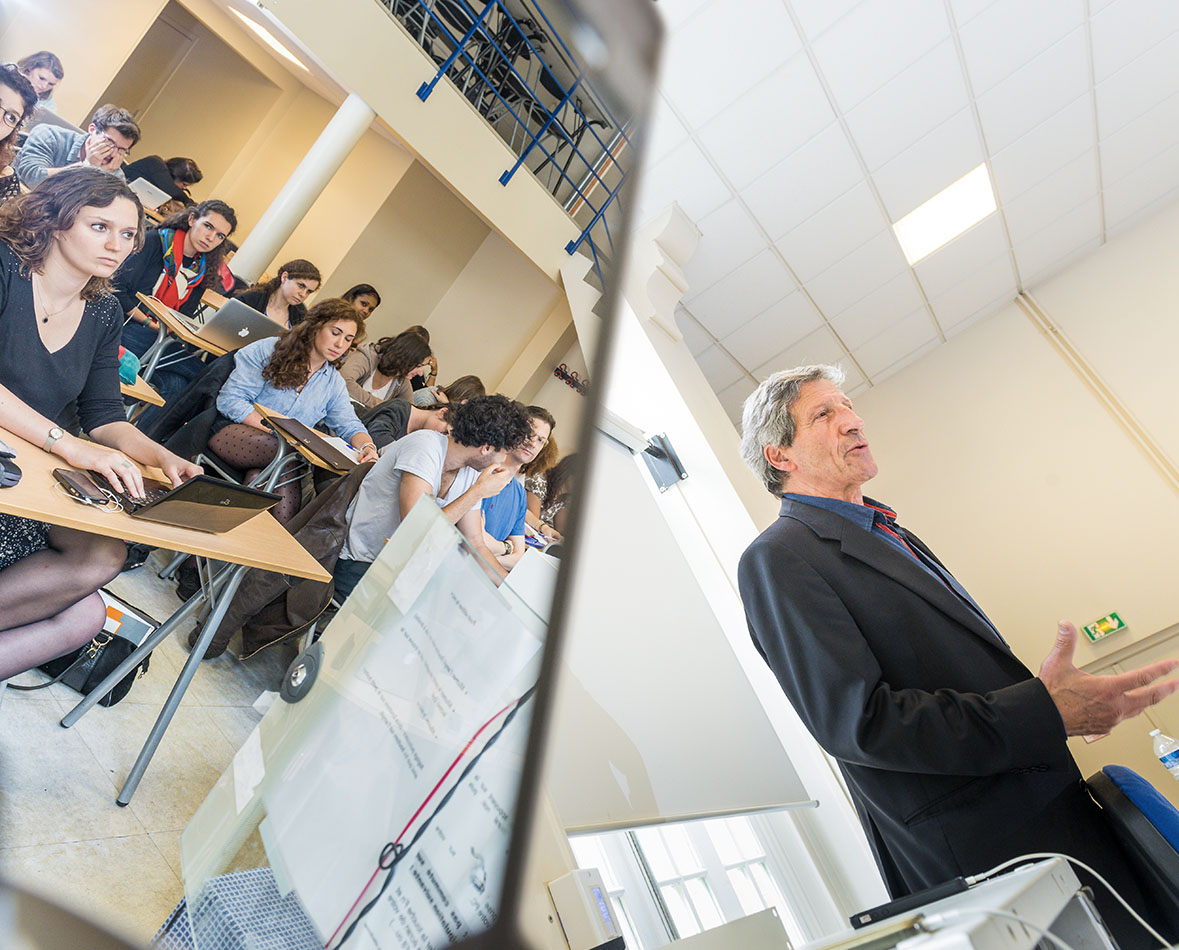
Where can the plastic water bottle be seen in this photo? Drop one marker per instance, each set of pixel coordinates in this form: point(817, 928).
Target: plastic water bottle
point(1167, 750)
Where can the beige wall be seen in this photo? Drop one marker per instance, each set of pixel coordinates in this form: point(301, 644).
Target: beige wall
point(565, 403)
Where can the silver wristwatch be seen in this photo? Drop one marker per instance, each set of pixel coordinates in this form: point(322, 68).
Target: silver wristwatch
point(52, 438)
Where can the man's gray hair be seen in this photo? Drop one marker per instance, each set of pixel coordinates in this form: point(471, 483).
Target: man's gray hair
point(767, 418)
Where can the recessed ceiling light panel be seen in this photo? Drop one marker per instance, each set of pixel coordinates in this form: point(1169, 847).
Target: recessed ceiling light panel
point(946, 215)
point(268, 38)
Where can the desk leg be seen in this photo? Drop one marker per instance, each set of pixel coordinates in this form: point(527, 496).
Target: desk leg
point(152, 354)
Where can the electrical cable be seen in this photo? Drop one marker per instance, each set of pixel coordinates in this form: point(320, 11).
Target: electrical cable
point(974, 879)
point(932, 921)
point(393, 852)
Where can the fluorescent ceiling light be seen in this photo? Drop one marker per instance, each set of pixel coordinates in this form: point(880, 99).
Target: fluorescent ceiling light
point(266, 37)
point(946, 215)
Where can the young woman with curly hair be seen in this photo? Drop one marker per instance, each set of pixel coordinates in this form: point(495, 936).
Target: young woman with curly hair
point(295, 375)
point(59, 343)
point(376, 372)
point(18, 99)
point(281, 298)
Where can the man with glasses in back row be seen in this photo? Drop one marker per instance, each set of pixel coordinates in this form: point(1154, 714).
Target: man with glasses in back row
point(106, 145)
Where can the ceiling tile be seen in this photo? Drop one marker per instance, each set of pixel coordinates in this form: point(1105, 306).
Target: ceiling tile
point(684, 176)
point(921, 171)
point(773, 330)
point(677, 12)
point(1125, 30)
point(765, 125)
point(1054, 197)
point(865, 269)
point(716, 55)
point(719, 368)
point(870, 315)
point(1144, 188)
point(732, 398)
point(1010, 33)
point(816, 15)
point(666, 132)
point(832, 232)
point(818, 347)
point(953, 263)
point(728, 238)
point(1141, 140)
point(914, 332)
point(860, 53)
point(967, 10)
point(978, 289)
point(1035, 92)
point(1053, 143)
point(746, 292)
point(909, 106)
point(1063, 263)
point(1060, 238)
point(814, 176)
point(695, 336)
point(1137, 87)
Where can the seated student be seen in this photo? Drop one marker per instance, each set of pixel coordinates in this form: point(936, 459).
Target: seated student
point(44, 70)
point(295, 375)
point(59, 341)
point(364, 298)
point(395, 418)
point(504, 514)
point(458, 470)
point(535, 474)
point(430, 377)
point(281, 298)
point(106, 144)
point(174, 176)
point(462, 389)
point(558, 490)
point(382, 370)
point(17, 101)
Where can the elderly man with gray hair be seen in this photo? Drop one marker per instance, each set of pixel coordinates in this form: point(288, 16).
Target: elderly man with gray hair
point(954, 753)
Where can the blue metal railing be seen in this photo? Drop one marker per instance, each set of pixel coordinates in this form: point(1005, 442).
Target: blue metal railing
point(510, 63)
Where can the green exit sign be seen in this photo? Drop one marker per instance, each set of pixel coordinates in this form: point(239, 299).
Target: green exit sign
point(1110, 623)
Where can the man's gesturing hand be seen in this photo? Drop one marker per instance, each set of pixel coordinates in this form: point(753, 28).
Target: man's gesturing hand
point(1093, 705)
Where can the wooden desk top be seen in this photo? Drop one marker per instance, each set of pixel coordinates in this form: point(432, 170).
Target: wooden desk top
point(213, 299)
point(142, 391)
point(260, 542)
point(178, 327)
point(298, 446)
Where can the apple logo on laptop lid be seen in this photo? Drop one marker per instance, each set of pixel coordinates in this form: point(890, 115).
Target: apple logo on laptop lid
point(244, 331)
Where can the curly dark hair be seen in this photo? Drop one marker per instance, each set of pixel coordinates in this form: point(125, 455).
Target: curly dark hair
point(298, 268)
point(397, 355)
point(12, 77)
point(29, 224)
point(180, 221)
point(290, 362)
point(489, 420)
point(464, 388)
point(546, 458)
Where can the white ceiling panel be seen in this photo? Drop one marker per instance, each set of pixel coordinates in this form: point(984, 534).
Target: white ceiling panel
point(1036, 91)
point(956, 261)
point(1010, 33)
point(746, 292)
point(985, 283)
point(1139, 86)
point(860, 53)
point(921, 171)
point(814, 16)
point(833, 232)
point(695, 336)
point(719, 368)
point(909, 106)
point(1056, 196)
point(684, 176)
point(1141, 140)
point(868, 267)
point(728, 238)
point(666, 132)
point(812, 177)
point(818, 347)
point(1059, 239)
point(1126, 29)
point(869, 316)
point(717, 56)
point(1155, 180)
point(732, 399)
point(787, 108)
point(903, 339)
point(967, 10)
point(782, 325)
point(1050, 145)
point(676, 12)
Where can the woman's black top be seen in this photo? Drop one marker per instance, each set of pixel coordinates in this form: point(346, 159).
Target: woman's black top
point(141, 271)
point(257, 299)
point(9, 186)
point(86, 369)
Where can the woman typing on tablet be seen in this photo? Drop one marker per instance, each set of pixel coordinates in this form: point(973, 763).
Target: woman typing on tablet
point(59, 341)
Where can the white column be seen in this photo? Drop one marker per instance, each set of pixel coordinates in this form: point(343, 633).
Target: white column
point(307, 182)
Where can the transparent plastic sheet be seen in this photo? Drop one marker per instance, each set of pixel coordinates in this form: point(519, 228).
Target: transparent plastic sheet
point(427, 666)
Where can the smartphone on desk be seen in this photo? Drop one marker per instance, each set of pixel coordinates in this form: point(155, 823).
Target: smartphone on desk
point(80, 487)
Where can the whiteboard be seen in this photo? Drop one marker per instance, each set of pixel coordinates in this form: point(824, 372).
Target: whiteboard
point(655, 719)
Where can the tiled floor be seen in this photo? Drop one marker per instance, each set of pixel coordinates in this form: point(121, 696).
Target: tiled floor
point(61, 832)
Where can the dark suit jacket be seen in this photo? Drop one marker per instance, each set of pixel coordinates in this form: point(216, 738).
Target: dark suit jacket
point(954, 753)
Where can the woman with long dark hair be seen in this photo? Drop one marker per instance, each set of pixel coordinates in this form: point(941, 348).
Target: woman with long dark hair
point(295, 375)
point(59, 341)
point(364, 298)
point(281, 298)
point(17, 101)
point(378, 372)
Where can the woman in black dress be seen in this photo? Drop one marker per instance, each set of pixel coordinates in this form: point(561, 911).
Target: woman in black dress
point(59, 340)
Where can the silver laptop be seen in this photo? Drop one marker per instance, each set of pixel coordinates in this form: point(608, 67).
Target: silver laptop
point(148, 194)
point(233, 326)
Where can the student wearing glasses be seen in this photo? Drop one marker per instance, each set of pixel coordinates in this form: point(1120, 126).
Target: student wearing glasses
point(17, 100)
point(106, 144)
point(281, 298)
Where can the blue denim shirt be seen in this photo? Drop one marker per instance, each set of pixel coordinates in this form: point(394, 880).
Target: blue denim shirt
point(325, 396)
